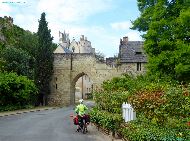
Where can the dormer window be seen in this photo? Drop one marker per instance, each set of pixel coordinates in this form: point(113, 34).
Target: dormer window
point(138, 52)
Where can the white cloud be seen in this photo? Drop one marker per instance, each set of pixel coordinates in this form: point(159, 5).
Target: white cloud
point(73, 10)
point(134, 36)
point(121, 25)
point(28, 22)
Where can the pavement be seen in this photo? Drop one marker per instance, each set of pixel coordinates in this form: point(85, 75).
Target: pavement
point(21, 111)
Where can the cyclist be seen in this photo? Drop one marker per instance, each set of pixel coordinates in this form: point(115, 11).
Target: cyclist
point(80, 110)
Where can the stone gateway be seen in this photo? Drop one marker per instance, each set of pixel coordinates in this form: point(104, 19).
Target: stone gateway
point(70, 66)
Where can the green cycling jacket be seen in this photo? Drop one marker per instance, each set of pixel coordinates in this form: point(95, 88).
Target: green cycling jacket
point(80, 109)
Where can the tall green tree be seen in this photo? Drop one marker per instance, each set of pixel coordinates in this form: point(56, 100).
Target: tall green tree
point(44, 59)
point(167, 36)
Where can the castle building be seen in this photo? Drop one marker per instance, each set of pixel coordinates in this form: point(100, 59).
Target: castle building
point(65, 46)
point(84, 84)
point(131, 59)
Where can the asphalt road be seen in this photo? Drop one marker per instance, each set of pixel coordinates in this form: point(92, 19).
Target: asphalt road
point(49, 125)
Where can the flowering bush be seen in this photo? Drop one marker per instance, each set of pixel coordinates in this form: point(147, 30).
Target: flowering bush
point(162, 108)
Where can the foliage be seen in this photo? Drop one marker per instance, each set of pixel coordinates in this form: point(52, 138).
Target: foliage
point(162, 107)
point(141, 129)
point(99, 57)
point(28, 42)
point(158, 102)
point(167, 36)
point(54, 46)
point(132, 84)
point(44, 58)
point(148, 102)
point(111, 102)
point(17, 60)
point(117, 84)
point(27, 53)
point(107, 112)
point(12, 33)
point(177, 102)
point(106, 119)
point(16, 90)
point(14, 107)
point(23, 43)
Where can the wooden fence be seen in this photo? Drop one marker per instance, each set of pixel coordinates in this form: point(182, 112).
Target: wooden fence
point(128, 112)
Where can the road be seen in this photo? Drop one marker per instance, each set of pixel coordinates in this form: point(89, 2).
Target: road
point(48, 125)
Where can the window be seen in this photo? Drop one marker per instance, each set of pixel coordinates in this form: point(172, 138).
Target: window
point(138, 52)
point(56, 86)
point(138, 66)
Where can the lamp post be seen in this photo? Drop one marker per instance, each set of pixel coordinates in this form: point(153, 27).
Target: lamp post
point(73, 50)
point(82, 87)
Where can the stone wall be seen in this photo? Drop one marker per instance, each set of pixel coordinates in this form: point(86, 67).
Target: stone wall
point(68, 68)
point(131, 68)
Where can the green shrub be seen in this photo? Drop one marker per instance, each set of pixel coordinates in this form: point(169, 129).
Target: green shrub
point(158, 102)
point(123, 83)
point(15, 107)
point(105, 119)
point(177, 102)
point(110, 101)
point(16, 90)
point(143, 130)
point(162, 107)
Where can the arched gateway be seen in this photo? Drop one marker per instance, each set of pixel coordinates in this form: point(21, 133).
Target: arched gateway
point(69, 67)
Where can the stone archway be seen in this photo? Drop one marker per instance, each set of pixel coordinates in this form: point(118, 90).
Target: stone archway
point(68, 68)
point(73, 86)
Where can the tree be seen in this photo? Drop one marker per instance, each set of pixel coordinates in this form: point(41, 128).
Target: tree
point(17, 50)
point(18, 61)
point(44, 59)
point(28, 42)
point(167, 36)
point(99, 57)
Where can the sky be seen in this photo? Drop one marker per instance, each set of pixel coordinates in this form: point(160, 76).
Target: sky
point(103, 22)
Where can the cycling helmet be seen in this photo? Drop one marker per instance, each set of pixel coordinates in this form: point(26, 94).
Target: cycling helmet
point(81, 101)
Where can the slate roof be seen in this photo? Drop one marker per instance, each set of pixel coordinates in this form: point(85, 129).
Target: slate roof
point(67, 50)
point(62, 49)
point(132, 52)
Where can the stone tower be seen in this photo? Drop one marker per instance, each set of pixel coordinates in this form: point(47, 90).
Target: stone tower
point(64, 40)
point(82, 46)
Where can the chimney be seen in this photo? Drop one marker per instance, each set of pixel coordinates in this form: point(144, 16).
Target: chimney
point(125, 40)
point(82, 37)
